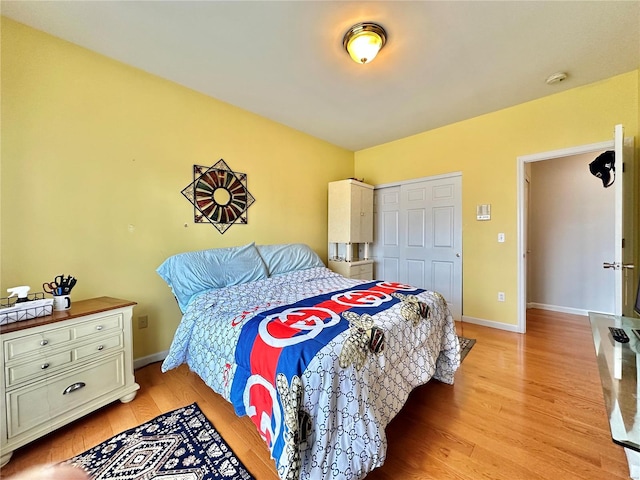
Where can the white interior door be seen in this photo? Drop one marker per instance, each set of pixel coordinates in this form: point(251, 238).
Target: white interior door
point(616, 265)
point(418, 236)
point(622, 265)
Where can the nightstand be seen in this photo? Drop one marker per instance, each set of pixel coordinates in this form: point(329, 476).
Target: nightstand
point(61, 367)
point(360, 269)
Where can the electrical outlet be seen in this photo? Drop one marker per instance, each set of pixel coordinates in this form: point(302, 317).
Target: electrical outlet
point(501, 296)
point(501, 238)
point(143, 321)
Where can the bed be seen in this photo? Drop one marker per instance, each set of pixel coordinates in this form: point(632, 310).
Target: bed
point(319, 362)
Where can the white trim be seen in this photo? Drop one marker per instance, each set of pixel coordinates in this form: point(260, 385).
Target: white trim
point(567, 152)
point(490, 323)
point(557, 308)
point(522, 281)
point(149, 359)
point(421, 179)
point(521, 160)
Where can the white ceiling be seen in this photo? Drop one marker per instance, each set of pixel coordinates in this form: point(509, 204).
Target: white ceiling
point(443, 62)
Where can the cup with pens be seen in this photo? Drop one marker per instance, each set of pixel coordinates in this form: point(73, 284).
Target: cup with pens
point(60, 288)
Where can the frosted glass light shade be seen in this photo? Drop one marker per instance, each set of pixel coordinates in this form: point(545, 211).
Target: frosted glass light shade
point(363, 41)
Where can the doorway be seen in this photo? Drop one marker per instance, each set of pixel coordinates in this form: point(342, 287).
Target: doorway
point(570, 235)
point(527, 165)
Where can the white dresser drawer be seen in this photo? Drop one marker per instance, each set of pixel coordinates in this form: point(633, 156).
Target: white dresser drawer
point(37, 368)
point(37, 403)
point(102, 346)
point(98, 326)
point(47, 364)
point(37, 342)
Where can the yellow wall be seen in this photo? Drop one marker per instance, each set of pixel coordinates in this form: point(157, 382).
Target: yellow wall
point(91, 147)
point(485, 150)
point(95, 153)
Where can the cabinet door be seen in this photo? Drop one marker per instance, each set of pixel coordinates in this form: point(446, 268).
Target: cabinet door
point(350, 212)
point(361, 214)
point(339, 212)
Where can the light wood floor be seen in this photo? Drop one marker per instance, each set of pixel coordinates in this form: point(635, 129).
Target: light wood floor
point(523, 407)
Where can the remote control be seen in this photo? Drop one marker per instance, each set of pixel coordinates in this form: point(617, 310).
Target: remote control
point(619, 335)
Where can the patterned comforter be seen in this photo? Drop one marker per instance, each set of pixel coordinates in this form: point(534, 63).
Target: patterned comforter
point(319, 362)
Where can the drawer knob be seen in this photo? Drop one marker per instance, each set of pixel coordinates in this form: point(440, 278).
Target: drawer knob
point(101, 347)
point(44, 366)
point(73, 388)
point(99, 327)
point(44, 342)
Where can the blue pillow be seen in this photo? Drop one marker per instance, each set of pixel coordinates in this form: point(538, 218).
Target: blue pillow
point(191, 273)
point(288, 257)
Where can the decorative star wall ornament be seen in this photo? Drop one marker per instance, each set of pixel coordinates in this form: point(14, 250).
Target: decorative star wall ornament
point(219, 195)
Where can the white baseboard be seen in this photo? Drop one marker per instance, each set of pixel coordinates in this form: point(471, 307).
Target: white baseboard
point(491, 324)
point(557, 308)
point(149, 359)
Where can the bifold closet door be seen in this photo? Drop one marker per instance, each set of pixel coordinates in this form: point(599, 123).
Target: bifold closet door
point(386, 234)
point(418, 236)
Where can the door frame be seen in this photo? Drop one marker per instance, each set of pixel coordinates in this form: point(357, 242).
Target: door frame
point(522, 260)
point(416, 180)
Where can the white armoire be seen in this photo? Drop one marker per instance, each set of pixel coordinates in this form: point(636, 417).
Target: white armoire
point(350, 228)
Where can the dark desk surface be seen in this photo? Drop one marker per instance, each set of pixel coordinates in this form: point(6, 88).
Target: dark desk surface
point(619, 366)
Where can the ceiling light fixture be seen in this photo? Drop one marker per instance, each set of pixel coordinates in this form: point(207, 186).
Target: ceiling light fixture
point(363, 41)
point(556, 78)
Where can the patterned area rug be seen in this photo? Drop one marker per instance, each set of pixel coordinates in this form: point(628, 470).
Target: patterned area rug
point(178, 445)
point(465, 346)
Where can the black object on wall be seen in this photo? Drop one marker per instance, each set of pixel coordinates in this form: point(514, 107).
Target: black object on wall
point(604, 167)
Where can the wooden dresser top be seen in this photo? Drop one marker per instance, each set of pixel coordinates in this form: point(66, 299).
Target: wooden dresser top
point(78, 309)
